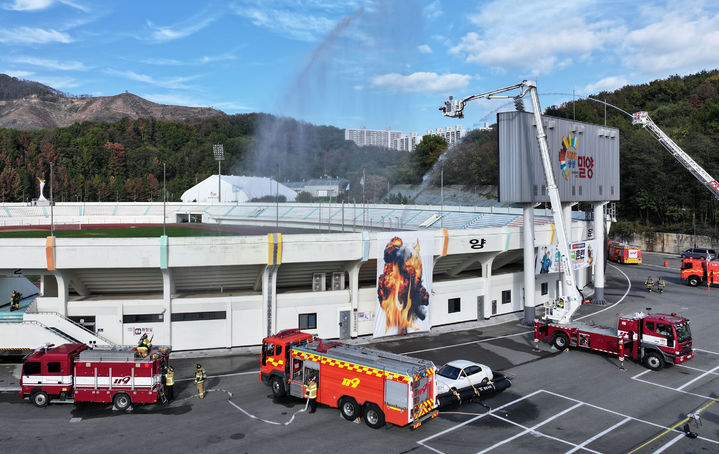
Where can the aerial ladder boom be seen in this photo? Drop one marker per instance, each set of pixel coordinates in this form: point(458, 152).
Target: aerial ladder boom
point(561, 310)
point(642, 118)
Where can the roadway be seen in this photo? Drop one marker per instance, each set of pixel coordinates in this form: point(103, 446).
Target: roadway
point(575, 401)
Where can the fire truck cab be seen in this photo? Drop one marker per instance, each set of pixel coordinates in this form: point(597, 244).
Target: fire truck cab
point(362, 382)
point(700, 271)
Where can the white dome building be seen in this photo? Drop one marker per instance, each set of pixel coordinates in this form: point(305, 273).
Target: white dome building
point(236, 189)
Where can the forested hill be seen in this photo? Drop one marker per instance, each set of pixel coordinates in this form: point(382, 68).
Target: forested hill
point(123, 160)
point(656, 191)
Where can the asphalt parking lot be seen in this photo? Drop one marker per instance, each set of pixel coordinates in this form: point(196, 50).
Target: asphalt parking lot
point(575, 401)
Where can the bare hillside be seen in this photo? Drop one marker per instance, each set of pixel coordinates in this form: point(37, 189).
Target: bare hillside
point(30, 105)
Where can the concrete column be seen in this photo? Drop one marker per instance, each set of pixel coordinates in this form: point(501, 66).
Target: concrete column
point(353, 271)
point(168, 288)
point(487, 277)
point(63, 292)
point(567, 216)
point(599, 255)
point(529, 261)
point(269, 298)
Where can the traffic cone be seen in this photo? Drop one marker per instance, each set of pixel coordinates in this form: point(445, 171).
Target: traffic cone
point(666, 264)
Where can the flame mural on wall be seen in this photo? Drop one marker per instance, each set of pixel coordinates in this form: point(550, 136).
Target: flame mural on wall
point(403, 292)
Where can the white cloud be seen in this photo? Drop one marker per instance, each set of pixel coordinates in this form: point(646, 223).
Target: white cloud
point(36, 5)
point(59, 83)
point(17, 73)
point(205, 59)
point(183, 29)
point(610, 83)
point(535, 52)
point(298, 25)
point(177, 83)
point(421, 82)
point(53, 64)
point(28, 5)
point(32, 35)
point(424, 49)
point(433, 10)
point(675, 44)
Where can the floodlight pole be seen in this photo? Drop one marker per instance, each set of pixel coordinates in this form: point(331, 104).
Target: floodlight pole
point(219, 151)
point(52, 203)
point(164, 200)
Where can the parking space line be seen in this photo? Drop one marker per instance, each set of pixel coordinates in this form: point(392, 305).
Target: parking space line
point(599, 435)
point(531, 430)
point(637, 419)
point(576, 447)
point(668, 387)
point(697, 369)
point(697, 378)
point(706, 351)
point(471, 420)
point(666, 446)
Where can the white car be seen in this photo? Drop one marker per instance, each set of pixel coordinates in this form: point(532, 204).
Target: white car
point(460, 374)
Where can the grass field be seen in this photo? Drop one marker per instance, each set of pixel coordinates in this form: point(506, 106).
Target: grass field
point(125, 232)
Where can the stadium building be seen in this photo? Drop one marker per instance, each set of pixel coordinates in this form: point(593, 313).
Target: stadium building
point(227, 291)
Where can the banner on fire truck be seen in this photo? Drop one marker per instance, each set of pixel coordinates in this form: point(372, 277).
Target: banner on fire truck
point(582, 255)
point(404, 282)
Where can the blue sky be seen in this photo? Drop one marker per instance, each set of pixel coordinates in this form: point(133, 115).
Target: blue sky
point(373, 63)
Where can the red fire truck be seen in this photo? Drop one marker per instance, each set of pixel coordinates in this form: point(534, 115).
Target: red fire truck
point(73, 373)
point(700, 271)
point(624, 253)
point(362, 382)
point(654, 339)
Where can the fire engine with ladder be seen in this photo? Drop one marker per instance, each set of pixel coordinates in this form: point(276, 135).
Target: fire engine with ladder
point(362, 382)
point(654, 339)
point(74, 373)
point(694, 271)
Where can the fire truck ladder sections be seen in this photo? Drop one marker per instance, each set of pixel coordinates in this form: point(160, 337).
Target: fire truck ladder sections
point(563, 309)
point(643, 119)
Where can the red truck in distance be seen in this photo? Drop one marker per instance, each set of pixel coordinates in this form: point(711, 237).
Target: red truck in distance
point(362, 382)
point(74, 373)
point(700, 271)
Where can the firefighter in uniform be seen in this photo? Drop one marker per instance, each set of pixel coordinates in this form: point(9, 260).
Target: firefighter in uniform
point(200, 377)
point(144, 346)
point(170, 383)
point(649, 283)
point(311, 394)
point(15, 301)
point(660, 285)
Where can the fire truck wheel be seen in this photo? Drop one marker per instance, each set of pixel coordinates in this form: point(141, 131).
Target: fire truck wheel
point(693, 281)
point(278, 389)
point(373, 416)
point(560, 341)
point(349, 408)
point(653, 361)
point(40, 399)
point(122, 401)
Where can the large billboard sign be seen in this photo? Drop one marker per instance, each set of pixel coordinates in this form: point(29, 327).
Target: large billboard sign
point(581, 255)
point(584, 159)
point(404, 282)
